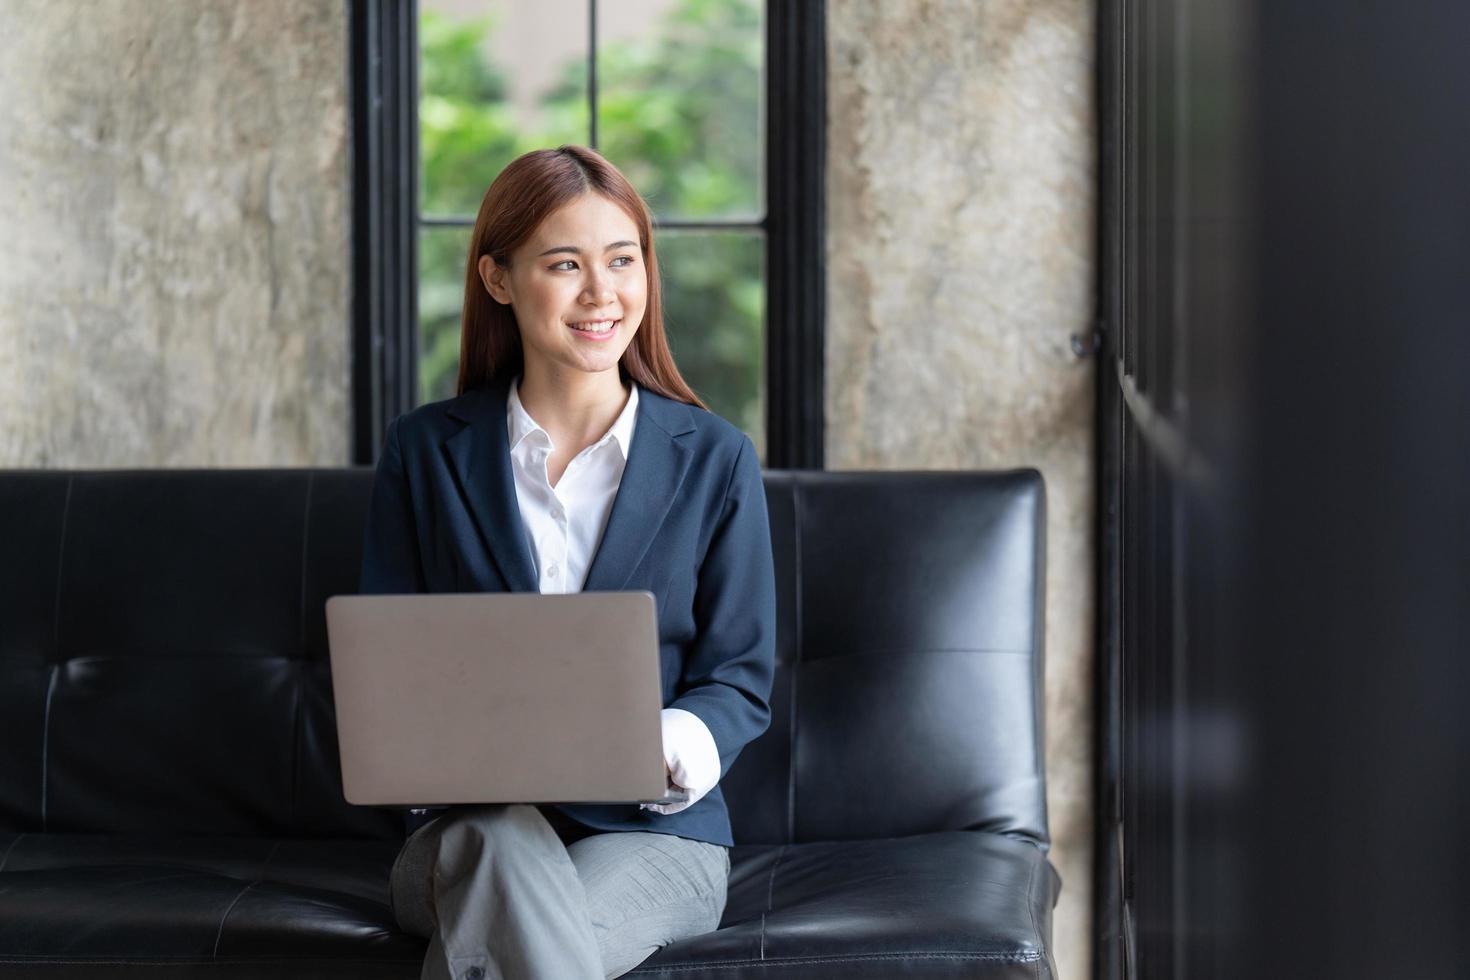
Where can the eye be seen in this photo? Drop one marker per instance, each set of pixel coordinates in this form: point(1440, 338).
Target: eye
point(627, 260)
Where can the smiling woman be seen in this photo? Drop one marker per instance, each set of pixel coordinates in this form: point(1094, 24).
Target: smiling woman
point(575, 458)
point(599, 294)
point(562, 243)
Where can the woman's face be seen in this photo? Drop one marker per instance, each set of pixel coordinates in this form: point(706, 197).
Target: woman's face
point(582, 268)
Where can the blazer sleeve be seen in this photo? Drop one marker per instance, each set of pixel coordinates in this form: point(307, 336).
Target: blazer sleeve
point(729, 668)
point(390, 553)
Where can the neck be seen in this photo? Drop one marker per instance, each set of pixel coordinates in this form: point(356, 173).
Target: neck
point(572, 405)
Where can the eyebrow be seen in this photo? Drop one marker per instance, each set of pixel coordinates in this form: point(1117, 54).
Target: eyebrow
point(578, 251)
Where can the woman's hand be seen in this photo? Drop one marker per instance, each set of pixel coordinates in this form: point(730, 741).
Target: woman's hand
point(691, 759)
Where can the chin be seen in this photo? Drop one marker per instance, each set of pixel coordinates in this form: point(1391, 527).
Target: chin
point(597, 366)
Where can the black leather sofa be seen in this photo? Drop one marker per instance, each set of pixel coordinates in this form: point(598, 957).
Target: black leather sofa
point(170, 801)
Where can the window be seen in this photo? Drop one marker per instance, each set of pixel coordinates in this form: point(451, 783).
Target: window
point(714, 109)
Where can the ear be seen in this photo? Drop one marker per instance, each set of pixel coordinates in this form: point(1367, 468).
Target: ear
point(495, 279)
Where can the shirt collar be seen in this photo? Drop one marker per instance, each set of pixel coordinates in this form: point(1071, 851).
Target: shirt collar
point(520, 425)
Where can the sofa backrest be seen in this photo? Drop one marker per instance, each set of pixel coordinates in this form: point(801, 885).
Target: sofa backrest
point(164, 652)
point(163, 656)
point(908, 694)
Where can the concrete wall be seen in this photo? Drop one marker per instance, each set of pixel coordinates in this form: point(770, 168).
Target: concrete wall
point(960, 239)
point(174, 195)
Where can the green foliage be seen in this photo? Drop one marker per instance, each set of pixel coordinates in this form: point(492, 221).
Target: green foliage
point(465, 131)
point(679, 113)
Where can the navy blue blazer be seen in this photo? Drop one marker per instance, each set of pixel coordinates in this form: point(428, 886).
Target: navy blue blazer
point(688, 524)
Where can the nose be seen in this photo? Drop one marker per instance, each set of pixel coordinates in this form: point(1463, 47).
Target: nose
point(598, 291)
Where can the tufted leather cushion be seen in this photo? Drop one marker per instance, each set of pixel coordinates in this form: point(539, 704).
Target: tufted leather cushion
point(908, 683)
point(71, 900)
point(934, 905)
point(165, 659)
point(169, 790)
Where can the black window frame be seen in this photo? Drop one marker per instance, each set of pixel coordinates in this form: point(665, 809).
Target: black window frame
point(385, 223)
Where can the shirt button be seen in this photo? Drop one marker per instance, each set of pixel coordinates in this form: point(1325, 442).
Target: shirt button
point(474, 973)
point(553, 570)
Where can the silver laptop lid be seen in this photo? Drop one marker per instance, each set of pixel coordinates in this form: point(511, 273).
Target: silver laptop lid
point(497, 698)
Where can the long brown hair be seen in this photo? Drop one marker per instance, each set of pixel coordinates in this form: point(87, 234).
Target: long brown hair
point(530, 188)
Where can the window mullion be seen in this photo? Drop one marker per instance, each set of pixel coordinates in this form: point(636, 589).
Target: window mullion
point(592, 72)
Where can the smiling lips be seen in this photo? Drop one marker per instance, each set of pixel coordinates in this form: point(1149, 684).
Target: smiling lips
point(596, 329)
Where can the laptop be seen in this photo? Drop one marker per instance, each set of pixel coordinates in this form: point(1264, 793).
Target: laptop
point(498, 698)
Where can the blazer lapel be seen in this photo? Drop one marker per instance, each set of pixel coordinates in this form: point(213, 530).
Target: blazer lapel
point(657, 463)
point(480, 455)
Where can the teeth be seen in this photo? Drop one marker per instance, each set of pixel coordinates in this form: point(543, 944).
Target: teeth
point(600, 328)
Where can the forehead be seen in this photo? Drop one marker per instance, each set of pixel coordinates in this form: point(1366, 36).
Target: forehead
point(590, 220)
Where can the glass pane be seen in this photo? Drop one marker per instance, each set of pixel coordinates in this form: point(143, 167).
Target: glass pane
point(443, 253)
point(714, 313)
point(486, 71)
point(679, 93)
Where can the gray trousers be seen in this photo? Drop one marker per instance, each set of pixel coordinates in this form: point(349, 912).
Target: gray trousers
point(499, 895)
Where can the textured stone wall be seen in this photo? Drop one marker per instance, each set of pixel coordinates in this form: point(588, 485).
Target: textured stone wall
point(174, 263)
point(960, 239)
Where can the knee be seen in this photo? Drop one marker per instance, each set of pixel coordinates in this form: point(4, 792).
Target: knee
point(474, 827)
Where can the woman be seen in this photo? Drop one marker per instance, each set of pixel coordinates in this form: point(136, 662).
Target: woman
point(576, 458)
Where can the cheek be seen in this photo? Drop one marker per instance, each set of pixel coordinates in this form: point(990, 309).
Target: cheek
point(545, 297)
point(635, 295)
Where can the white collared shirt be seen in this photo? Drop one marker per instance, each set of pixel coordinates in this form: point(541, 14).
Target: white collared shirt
point(564, 525)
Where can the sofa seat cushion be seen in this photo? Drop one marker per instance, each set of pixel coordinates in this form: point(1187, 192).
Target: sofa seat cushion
point(79, 905)
point(963, 904)
point(969, 904)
